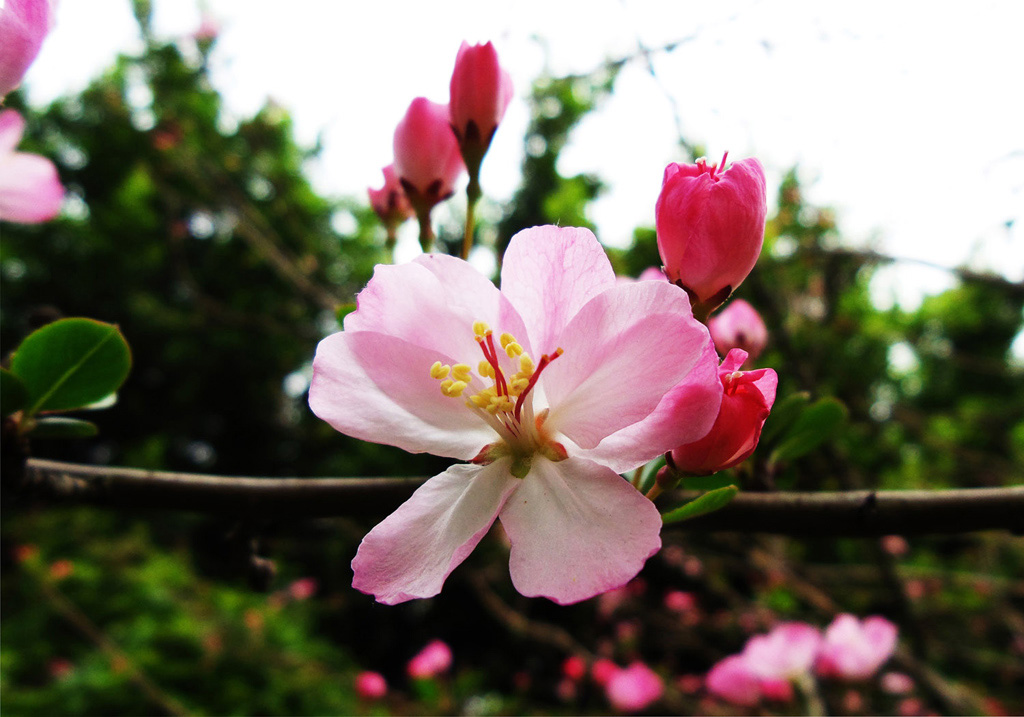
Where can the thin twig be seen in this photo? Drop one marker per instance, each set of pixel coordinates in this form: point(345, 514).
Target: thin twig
point(858, 512)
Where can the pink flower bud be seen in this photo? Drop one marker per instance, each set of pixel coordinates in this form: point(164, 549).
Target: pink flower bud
point(30, 191)
point(24, 25)
point(710, 225)
point(574, 668)
point(390, 202)
point(371, 685)
point(432, 660)
point(897, 683)
point(427, 159)
point(634, 688)
point(746, 403)
point(739, 326)
point(480, 93)
point(855, 649)
point(603, 670)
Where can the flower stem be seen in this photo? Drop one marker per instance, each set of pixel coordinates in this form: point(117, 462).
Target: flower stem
point(473, 194)
point(814, 705)
point(654, 492)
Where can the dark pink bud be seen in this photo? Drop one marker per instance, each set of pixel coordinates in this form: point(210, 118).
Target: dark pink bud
point(710, 223)
point(390, 202)
point(574, 668)
point(739, 326)
point(480, 93)
point(427, 159)
point(746, 402)
point(371, 685)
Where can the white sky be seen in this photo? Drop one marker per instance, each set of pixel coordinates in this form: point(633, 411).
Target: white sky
point(907, 117)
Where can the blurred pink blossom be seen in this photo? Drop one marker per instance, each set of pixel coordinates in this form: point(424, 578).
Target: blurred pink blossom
point(739, 326)
point(897, 683)
point(732, 680)
point(371, 685)
point(787, 652)
point(30, 191)
point(303, 588)
point(634, 688)
point(390, 202)
point(574, 667)
point(680, 601)
point(24, 25)
point(854, 649)
point(433, 660)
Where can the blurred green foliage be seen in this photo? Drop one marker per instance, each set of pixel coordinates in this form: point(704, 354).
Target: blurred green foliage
point(198, 235)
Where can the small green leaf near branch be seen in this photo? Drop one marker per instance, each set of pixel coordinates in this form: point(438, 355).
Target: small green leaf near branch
point(707, 503)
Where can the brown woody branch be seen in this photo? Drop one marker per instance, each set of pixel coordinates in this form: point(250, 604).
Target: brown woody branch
point(854, 513)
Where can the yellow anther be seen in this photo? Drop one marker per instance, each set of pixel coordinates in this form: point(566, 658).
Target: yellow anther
point(526, 365)
point(500, 403)
point(518, 385)
point(480, 400)
point(485, 369)
point(460, 372)
point(506, 339)
point(480, 328)
point(452, 388)
point(513, 350)
point(439, 370)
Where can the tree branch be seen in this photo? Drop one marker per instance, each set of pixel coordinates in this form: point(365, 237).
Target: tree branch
point(855, 513)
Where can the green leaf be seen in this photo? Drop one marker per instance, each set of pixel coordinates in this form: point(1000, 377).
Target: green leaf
point(707, 503)
point(817, 424)
point(71, 363)
point(711, 482)
point(783, 414)
point(62, 427)
point(13, 393)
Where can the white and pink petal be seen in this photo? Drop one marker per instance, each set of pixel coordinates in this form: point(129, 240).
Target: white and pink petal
point(623, 351)
point(378, 388)
point(549, 273)
point(412, 552)
point(577, 529)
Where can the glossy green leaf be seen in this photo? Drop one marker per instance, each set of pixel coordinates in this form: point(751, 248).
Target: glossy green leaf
point(71, 363)
point(707, 503)
point(783, 414)
point(13, 393)
point(63, 427)
point(817, 424)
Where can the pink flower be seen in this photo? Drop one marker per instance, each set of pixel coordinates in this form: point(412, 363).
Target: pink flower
point(427, 158)
point(739, 326)
point(746, 403)
point(579, 380)
point(634, 688)
point(371, 685)
point(897, 683)
point(24, 25)
point(680, 601)
point(433, 660)
point(30, 191)
point(732, 680)
point(711, 226)
point(854, 649)
point(390, 202)
point(480, 93)
point(785, 653)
